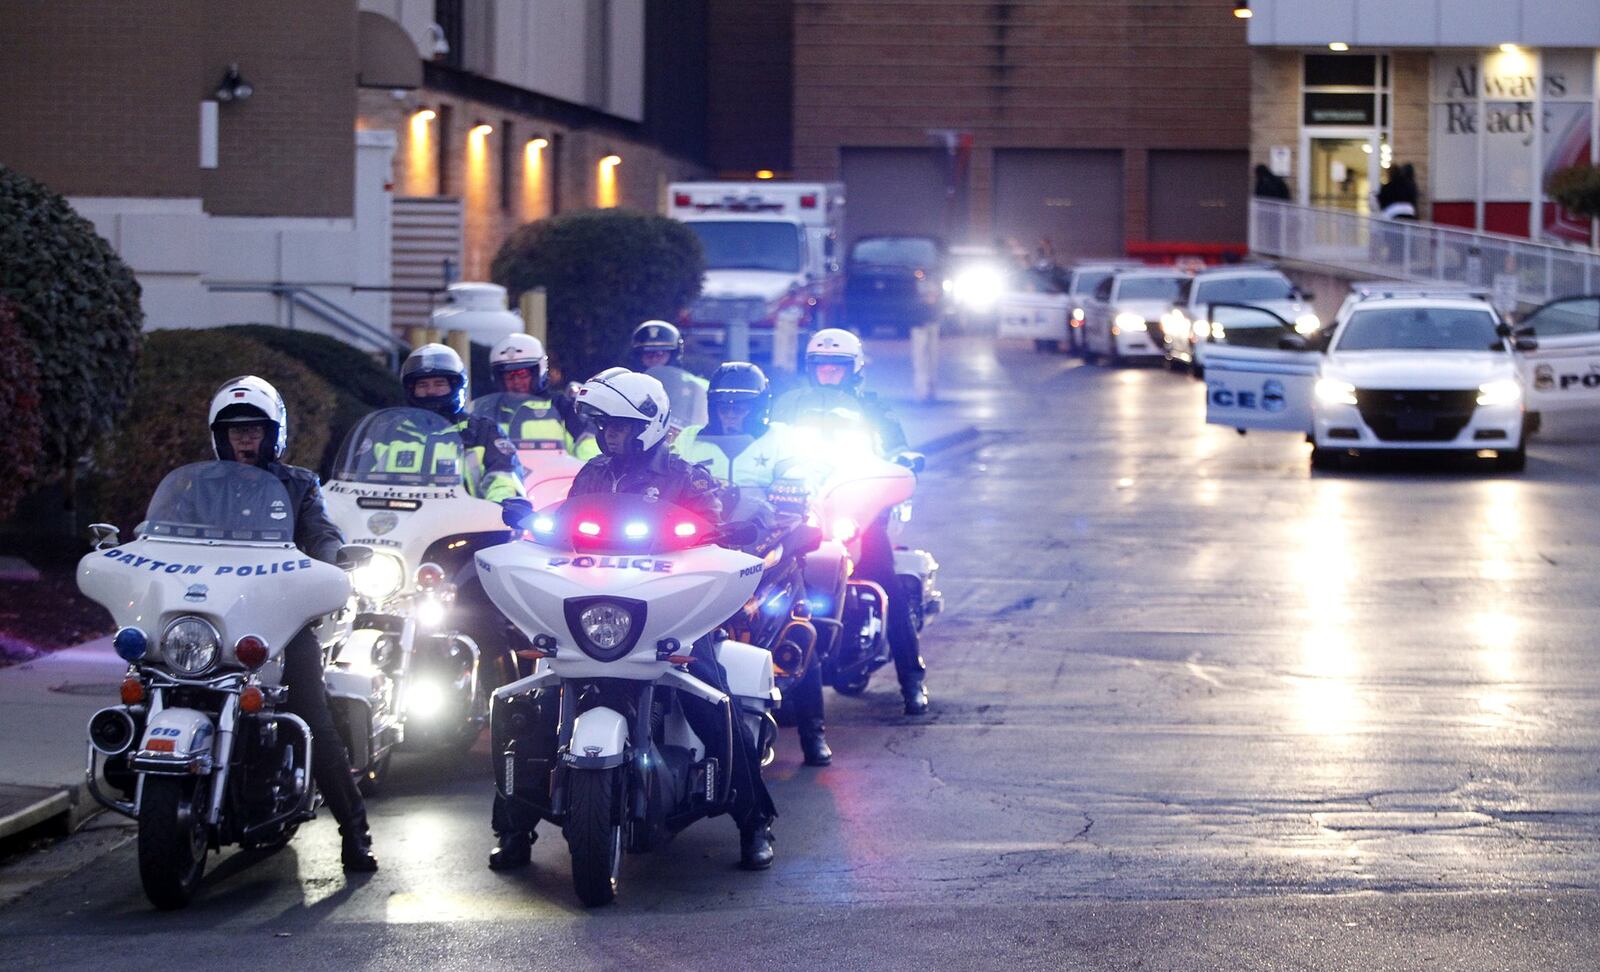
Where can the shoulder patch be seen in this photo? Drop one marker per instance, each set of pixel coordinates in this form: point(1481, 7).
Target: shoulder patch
point(505, 445)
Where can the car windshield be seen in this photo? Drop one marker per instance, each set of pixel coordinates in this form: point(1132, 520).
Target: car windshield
point(402, 447)
point(1243, 290)
point(225, 502)
point(1149, 288)
point(896, 251)
point(1085, 281)
point(749, 245)
point(1419, 329)
point(525, 421)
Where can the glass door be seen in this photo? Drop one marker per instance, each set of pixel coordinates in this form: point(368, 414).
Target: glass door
point(1341, 175)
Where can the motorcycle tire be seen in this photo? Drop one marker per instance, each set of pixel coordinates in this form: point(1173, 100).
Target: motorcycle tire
point(272, 844)
point(593, 830)
point(172, 841)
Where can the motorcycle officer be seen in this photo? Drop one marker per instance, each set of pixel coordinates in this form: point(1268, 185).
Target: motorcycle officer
point(631, 413)
point(657, 350)
point(435, 380)
point(740, 446)
point(521, 367)
point(249, 424)
point(835, 366)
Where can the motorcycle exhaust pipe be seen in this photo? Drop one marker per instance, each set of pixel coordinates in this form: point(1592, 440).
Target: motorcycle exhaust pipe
point(796, 642)
point(112, 731)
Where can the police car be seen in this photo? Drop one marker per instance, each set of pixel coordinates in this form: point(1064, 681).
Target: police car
point(1186, 330)
point(1123, 318)
point(1399, 371)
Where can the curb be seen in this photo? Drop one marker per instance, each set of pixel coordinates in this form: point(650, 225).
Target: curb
point(55, 805)
point(949, 440)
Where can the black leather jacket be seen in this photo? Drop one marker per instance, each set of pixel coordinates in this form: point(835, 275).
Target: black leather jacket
point(674, 480)
point(314, 532)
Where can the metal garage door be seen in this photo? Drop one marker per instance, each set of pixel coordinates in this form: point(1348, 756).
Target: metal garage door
point(1199, 196)
point(894, 190)
point(1072, 198)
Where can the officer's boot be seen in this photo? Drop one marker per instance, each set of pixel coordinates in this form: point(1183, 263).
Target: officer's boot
point(356, 854)
point(915, 694)
point(813, 743)
point(755, 847)
point(513, 849)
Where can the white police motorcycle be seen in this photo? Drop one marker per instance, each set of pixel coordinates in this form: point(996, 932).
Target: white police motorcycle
point(207, 595)
point(615, 592)
point(408, 673)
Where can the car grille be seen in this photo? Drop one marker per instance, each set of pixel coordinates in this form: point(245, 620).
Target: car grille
point(1416, 416)
point(881, 288)
point(721, 310)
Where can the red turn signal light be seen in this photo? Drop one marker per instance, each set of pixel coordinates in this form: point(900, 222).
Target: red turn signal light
point(132, 691)
point(251, 652)
point(429, 576)
point(251, 700)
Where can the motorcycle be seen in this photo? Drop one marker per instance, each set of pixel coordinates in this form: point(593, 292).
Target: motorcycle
point(408, 674)
point(854, 488)
point(206, 596)
point(615, 593)
point(547, 468)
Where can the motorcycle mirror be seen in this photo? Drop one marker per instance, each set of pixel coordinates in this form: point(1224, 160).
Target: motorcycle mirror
point(103, 535)
point(914, 461)
point(740, 534)
point(1526, 344)
point(353, 556)
point(807, 538)
point(1503, 329)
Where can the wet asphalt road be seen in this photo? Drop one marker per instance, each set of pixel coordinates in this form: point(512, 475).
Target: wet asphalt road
point(1194, 707)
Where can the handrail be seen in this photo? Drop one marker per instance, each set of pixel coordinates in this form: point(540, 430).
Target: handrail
point(1410, 250)
point(304, 298)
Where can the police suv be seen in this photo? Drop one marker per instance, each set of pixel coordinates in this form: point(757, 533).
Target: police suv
point(1398, 371)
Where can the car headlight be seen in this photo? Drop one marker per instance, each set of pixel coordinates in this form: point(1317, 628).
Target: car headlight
point(605, 628)
point(1200, 330)
point(190, 645)
point(978, 288)
point(1501, 391)
point(1174, 323)
point(1332, 391)
point(1129, 321)
point(1307, 323)
point(380, 577)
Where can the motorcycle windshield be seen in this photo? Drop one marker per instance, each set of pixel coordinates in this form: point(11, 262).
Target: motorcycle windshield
point(222, 502)
point(530, 423)
point(403, 447)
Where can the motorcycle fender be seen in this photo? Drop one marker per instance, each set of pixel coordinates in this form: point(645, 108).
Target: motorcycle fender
point(824, 567)
point(749, 670)
point(916, 563)
point(357, 686)
point(599, 740)
point(179, 733)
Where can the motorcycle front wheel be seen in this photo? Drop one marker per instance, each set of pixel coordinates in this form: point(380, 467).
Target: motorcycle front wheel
point(172, 840)
point(593, 830)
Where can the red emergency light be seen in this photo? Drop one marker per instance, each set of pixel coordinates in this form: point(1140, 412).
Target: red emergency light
point(808, 201)
point(681, 199)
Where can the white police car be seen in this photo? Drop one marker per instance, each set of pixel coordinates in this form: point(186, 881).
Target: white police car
point(1185, 329)
point(1414, 372)
point(1123, 318)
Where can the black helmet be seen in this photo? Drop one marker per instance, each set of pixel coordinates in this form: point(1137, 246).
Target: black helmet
point(655, 336)
point(742, 383)
point(436, 361)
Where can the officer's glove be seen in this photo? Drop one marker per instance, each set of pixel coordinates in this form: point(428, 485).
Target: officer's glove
point(515, 512)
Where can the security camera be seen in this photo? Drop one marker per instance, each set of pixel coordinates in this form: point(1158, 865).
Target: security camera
point(437, 42)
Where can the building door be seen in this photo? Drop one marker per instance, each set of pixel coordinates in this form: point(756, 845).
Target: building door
point(1069, 199)
point(1198, 196)
point(1343, 168)
point(897, 191)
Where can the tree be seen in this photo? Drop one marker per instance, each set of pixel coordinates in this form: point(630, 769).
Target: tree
point(19, 403)
point(604, 271)
point(78, 307)
point(1576, 189)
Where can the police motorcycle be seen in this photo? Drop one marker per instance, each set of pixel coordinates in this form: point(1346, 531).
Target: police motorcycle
point(852, 486)
point(547, 467)
point(208, 593)
point(614, 592)
point(408, 674)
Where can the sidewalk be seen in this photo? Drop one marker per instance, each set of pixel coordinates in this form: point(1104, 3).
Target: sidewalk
point(45, 705)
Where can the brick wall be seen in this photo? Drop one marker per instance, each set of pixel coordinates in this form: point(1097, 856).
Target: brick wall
point(1116, 74)
point(1409, 75)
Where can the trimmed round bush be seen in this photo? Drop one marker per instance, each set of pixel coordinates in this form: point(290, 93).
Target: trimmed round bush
point(19, 403)
point(78, 305)
point(604, 271)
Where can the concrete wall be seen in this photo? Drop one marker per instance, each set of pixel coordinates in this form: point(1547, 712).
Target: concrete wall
point(1427, 23)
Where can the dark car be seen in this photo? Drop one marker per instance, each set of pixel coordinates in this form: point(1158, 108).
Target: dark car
point(894, 283)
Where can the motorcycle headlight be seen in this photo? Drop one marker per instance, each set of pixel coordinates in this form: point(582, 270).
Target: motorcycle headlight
point(605, 628)
point(1129, 321)
point(380, 577)
point(190, 645)
point(1501, 391)
point(1332, 391)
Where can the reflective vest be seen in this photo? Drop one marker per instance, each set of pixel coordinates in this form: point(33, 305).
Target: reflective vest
point(753, 462)
point(445, 455)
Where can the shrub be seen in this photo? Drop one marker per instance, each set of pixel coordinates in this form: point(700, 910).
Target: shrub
point(604, 271)
point(1576, 189)
point(78, 306)
point(19, 403)
point(360, 381)
point(165, 427)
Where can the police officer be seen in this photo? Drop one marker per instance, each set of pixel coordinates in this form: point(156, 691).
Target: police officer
point(740, 446)
point(631, 413)
point(250, 424)
point(657, 350)
point(527, 412)
point(835, 366)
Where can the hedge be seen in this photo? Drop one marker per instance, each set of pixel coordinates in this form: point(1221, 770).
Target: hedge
point(1576, 189)
point(78, 306)
point(19, 403)
point(165, 426)
point(604, 271)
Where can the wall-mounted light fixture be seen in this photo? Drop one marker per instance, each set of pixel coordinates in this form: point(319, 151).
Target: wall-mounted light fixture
point(233, 86)
point(765, 173)
point(611, 161)
point(481, 129)
point(1338, 47)
point(424, 115)
point(1509, 48)
point(538, 143)
point(1241, 9)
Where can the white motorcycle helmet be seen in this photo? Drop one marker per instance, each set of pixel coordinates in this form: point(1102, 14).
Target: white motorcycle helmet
point(833, 345)
point(248, 400)
point(626, 396)
point(516, 352)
